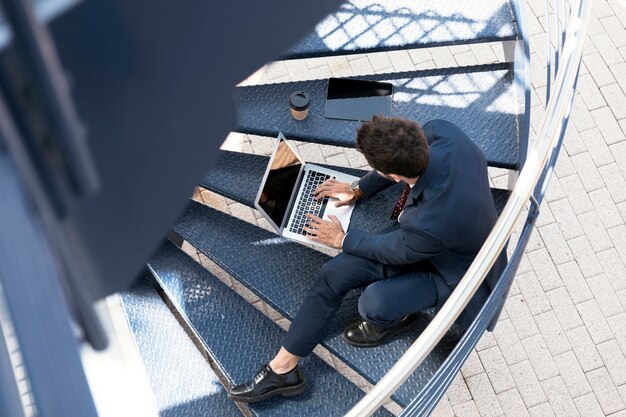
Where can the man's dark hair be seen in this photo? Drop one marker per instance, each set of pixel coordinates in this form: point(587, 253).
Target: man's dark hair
point(393, 146)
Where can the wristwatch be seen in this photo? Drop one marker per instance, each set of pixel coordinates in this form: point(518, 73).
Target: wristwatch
point(356, 190)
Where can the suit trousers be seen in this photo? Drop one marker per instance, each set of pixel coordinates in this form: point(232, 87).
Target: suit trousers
point(385, 301)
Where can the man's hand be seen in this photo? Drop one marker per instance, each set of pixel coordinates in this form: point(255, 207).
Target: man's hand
point(335, 189)
point(327, 232)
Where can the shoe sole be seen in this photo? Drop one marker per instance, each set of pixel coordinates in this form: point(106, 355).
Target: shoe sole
point(285, 392)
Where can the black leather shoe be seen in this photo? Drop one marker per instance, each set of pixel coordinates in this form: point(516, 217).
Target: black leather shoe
point(268, 383)
point(365, 334)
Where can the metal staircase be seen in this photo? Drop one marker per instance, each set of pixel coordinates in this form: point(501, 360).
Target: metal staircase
point(489, 102)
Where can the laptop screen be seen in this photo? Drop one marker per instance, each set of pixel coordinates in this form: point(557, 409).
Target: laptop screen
point(280, 183)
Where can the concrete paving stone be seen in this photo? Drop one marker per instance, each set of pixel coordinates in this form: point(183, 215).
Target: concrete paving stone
point(380, 62)
point(572, 374)
point(622, 209)
point(614, 268)
point(574, 281)
point(339, 66)
point(595, 27)
point(538, 45)
point(619, 10)
point(356, 159)
point(602, 9)
point(320, 72)
point(338, 160)
point(587, 171)
point(619, 71)
point(589, 92)
point(555, 243)
point(401, 60)
point(465, 59)
point(598, 70)
point(329, 150)
point(595, 231)
point(606, 393)
point(533, 26)
point(622, 390)
point(473, 365)
point(618, 235)
point(566, 218)
point(576, 193)
point(564, 166)
point(545, 216)
point(540, 357)
point(615, 29)
point(537, 69)
point(559, 398)
point(258, 77)
point(298, 70)
point(467, 409)
point(483, 53)
point(361, 66)
point(426, 65)
point(312, 63)
point(533, 293)
point(618, 326)
point(607, 49)
point(585, 256)
point(615, 182)
point(512, 403)
point(514, 290)
point(597, 147)
point(616, 100)
point(552, 332)
point(572, 141)
point(588, 406)
point(622, 296)
point(243, 212)
point(605, 208)
point(584, 348)
point(509, 342)
point(596, 324)
point(619, 153)
point(443, 409)
point(458, 392)
point(520, 317)
point(618, 414)
point(564, 309)
point(496, 369)
point(420, 55)
point(486, 341)
point(614, 361)
point(214, 200)
point(277, 70)
point(311, 152)
point(602, 289)
point(622, 51)
point(443, 57)
point(484, 396)
point(607, 123)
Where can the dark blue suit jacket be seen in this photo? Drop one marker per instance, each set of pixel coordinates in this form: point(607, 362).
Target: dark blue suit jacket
point(447, 217)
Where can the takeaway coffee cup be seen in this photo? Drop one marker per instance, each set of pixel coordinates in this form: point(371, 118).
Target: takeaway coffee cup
point(299, 103)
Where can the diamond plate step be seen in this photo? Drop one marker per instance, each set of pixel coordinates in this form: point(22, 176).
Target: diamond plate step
point(280, 272)
point(361, 26)
point(238, 176)
point(480, 100)
point(183, 383)
point(240, 338)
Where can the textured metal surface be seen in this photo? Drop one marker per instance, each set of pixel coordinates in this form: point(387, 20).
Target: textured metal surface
point(480, 100)
point(241, 339)
point(361, 26)
point(281, 272)
point(238, 176)
point(183, 383)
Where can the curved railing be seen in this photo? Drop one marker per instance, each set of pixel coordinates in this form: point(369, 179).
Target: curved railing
point(531, 186)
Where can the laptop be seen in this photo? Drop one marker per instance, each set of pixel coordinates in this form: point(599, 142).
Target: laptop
point(285, 195)
point(360, 100)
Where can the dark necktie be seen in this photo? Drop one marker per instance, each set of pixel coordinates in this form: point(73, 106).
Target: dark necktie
point(401, 202)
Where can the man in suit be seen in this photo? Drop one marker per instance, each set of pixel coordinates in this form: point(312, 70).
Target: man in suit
point(442, 218)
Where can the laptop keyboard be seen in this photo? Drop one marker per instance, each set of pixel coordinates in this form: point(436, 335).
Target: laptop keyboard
point(308, 203)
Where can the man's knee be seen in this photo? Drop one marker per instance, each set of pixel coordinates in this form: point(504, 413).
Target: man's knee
point(336, 273)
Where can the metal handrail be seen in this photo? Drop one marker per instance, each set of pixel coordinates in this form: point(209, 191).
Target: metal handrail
point(548, 136)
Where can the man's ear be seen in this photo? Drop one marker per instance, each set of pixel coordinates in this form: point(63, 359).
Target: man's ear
point(396, 177)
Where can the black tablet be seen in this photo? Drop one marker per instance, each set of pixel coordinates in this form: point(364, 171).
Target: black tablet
point(360, 100)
